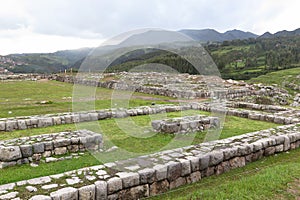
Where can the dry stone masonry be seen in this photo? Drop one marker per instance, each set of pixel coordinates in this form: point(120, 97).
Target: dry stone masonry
point(185, 124)
point(156, 173)
point(265, 113)
point(34, 148)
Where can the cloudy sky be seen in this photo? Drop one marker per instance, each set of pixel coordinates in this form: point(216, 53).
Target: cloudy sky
point(50, 25)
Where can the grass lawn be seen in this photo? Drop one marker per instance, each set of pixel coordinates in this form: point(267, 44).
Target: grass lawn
point(274, 177)
point(281, 77)
point(135, 146)
point(22, 98)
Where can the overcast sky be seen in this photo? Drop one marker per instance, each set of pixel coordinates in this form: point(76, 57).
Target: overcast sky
point(50, 25)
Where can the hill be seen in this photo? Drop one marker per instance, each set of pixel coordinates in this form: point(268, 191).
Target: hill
point(207, 35)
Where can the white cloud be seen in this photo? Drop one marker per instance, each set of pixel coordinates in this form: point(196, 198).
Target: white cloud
point(73, 23)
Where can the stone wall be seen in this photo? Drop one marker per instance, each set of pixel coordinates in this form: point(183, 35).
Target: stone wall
point(159, 172)
point(183, 90)
point(185, 124)
point(39, 121)
point(20, 123)
point(34, 148)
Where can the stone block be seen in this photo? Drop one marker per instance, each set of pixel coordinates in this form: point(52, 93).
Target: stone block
point(147, 175)
point(26, 150)
point(137, 192)
point(38, 147)
point(113, 185)
point(87, 192)
point(129, 179)
point(101, 190)
point(10, 153)
point(159, 187)
point(174, 170)
point(67, 193)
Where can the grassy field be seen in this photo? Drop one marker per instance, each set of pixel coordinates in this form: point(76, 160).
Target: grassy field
point(275, 177)
point(135, 146)
point(281, 78)
point(22, 98)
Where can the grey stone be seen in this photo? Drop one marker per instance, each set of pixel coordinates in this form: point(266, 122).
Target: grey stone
point(216, 157)
point(129, 179)
point(10, 153)
point(87, 192)
point(137, 192)
point(60, 150)
point(61, 143)
point(160, 172)
point(26, 151)
point(10, 195)
point(177, 183)
point(186, 167)
point(147, 175)
point(22, 125)
point(38, 148)
point(204, 161)
point(193, 177)
point(101, 190)
point(113, 185)
point(50, 186)
point(159, 187)
point(8, 186)
point(67, 193)
point(40, 197)
point(39, 181)
point(174, 170)
point(31, 188)
point(48, 145)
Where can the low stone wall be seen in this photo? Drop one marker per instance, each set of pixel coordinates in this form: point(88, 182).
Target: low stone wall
point(290, 116)
point(253, 106)
point(34, 148)
point(20, 123)
point(187, 92)
point(185, 124)
point(159, 172)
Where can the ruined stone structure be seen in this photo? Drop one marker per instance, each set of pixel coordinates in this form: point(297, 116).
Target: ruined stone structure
point(34, 148)
point(185, 124)
point(159, 172)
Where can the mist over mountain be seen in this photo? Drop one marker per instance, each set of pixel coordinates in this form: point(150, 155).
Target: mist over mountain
point(206, 35)
point(61, 60)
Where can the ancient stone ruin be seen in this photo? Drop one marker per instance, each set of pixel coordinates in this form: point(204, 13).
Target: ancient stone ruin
point(185, 124)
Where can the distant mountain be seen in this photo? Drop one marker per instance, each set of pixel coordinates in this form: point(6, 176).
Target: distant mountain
point(283, 33)
point(206, 35)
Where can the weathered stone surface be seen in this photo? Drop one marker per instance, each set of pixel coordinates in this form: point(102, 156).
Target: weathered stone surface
point(159, 187)
point(30, 188)
point(160, 172)
point(50, 186)
point(129, 179)
point(237, 162)
point(38, 148)
point(87, 192)
point(10, 195)
point(136, 192)
point(216, 157)
point(177, 183)
point(26, 150)
point(40, 197)
point(193, 177)
point(113, 185)
point(60, 150)
point(147, 175)
point(61, 143)
point(186, 167)
point(174, 171)
point(67, 193)
point(101, 190)
point(39, 181)
point(269, 151)
point(204, 161)
point(10, 153)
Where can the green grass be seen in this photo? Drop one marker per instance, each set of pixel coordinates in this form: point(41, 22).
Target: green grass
point(134, 146)
point(21, 98)
point(281, 78)
point(267, 178)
